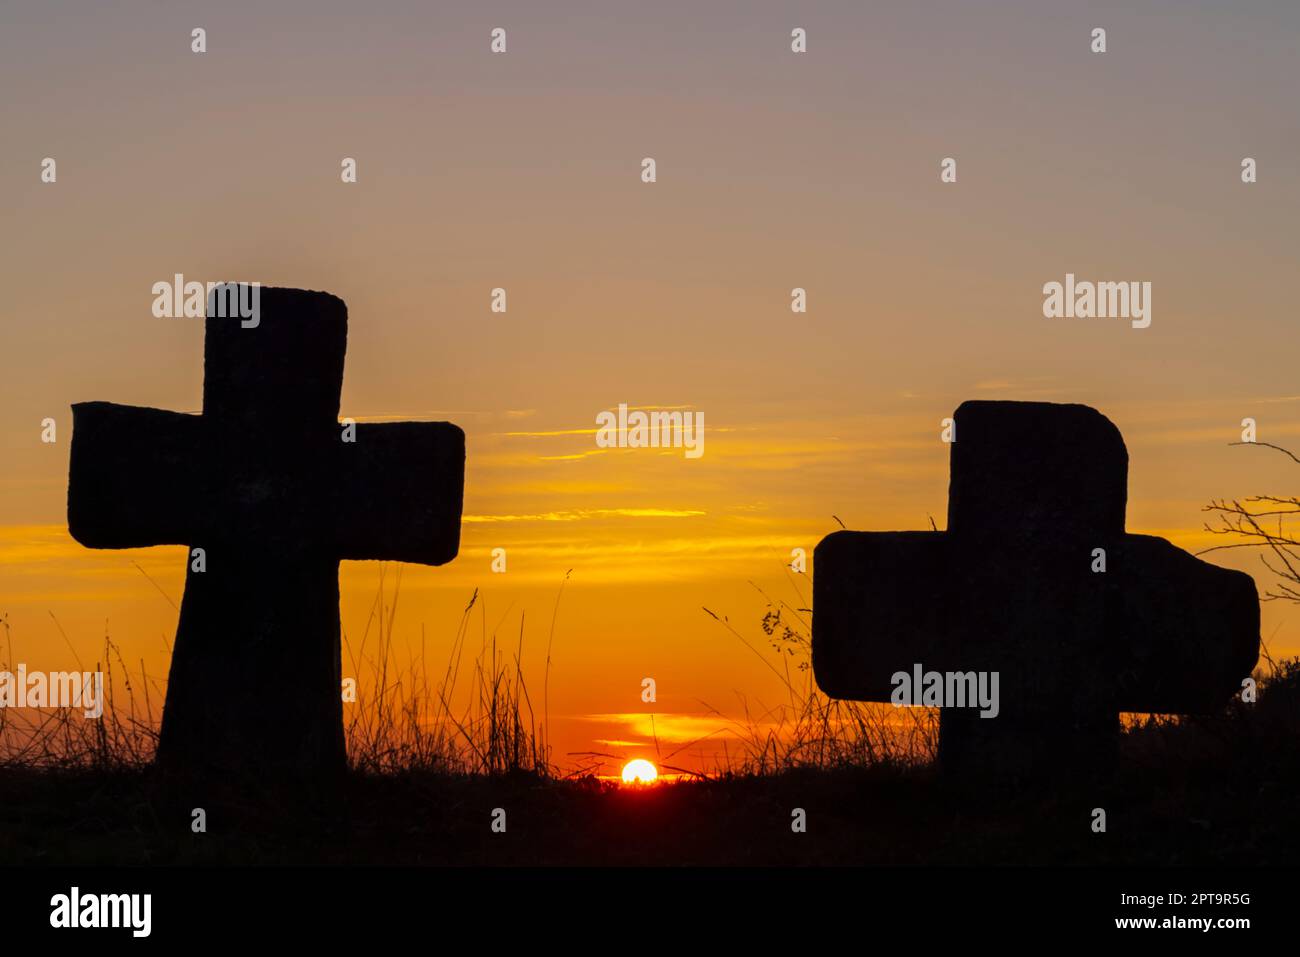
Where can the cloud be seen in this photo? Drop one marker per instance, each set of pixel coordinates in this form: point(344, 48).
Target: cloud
point(583, 514)
point(543, 435)
point(667, 726)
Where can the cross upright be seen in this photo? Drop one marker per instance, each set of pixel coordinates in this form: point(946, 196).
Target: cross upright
point(275, 492)
point(1036, 580)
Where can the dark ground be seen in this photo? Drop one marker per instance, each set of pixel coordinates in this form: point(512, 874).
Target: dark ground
point(1210, 791)
point(1178, 813)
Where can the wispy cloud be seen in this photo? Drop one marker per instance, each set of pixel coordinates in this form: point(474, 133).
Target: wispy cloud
point(549, 434)
point(578, 515)
point(669, 727)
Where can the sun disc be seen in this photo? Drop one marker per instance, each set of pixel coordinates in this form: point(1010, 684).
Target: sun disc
point(639, 771)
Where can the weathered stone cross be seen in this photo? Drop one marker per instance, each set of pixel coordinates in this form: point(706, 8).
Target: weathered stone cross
point(268, 485)
point(1014, 586)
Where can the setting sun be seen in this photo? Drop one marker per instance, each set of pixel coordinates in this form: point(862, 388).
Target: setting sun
point(639, 771)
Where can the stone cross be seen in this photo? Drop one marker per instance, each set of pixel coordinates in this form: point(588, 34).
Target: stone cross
point(1034, 579)
point(274, 491)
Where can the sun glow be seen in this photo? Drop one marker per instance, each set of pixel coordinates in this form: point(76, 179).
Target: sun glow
point(639, 771)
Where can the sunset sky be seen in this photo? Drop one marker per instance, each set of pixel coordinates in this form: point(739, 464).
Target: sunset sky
point(775, 170)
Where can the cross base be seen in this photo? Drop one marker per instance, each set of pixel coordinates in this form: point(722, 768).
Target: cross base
point(255, 682)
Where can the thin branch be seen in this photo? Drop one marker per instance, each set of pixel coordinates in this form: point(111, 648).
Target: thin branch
point(1270, 445)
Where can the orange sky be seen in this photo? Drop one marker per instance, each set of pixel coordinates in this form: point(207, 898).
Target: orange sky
point(775, 171)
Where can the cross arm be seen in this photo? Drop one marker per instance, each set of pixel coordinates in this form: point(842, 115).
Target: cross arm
point(882, 601)
point(1158, 631)
point(1189, 629)
point(134, 476)
point(399, 492)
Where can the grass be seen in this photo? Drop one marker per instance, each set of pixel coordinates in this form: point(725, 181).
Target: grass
point(408, 721)
point(434, 750)
point(471, 717)
point(474, 715)
point(124, 738)
point(809, 730)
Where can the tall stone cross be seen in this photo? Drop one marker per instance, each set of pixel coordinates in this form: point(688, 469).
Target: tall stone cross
point(274, 491)
point(1036, 580)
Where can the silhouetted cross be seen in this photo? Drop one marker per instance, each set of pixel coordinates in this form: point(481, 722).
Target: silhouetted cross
point(275, 492)
point(1014, 586)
